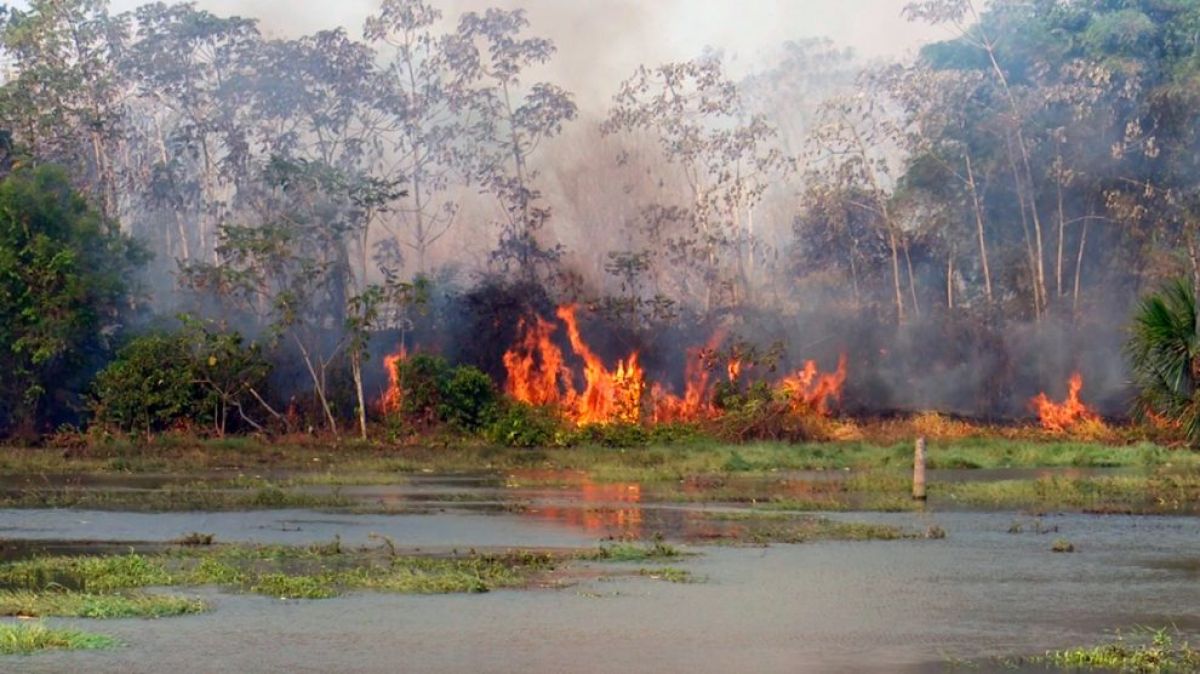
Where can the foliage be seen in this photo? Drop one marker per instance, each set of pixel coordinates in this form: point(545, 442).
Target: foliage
point(434, 393)
point(64, 287)
point(149, 386)
point(469, 399)
point(1150, 651)
point(522, 425)
point(1164, 353)
point(159, 381)
point(615, 434)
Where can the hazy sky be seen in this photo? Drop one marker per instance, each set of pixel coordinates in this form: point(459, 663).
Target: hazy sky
point(601, 41)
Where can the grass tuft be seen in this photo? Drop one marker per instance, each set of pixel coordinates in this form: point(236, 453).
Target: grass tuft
point(29, 638)
point(98, 606)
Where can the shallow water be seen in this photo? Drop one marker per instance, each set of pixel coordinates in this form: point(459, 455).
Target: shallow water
point(887, 606)
point(879, 606)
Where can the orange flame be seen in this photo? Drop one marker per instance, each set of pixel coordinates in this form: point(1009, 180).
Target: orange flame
point(538, 374)
point(810, 391)
point(393, 395)
point(1058, 417)
point(696, 402)
point(734, 369)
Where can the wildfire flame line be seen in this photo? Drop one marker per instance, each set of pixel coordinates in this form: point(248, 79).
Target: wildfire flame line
point(538, 374)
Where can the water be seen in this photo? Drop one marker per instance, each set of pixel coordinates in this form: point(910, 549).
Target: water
point(887, 606)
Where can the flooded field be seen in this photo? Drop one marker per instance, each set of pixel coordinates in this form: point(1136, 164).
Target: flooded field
point(990, 589)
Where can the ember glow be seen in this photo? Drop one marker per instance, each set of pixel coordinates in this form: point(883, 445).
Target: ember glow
point(1059, 417)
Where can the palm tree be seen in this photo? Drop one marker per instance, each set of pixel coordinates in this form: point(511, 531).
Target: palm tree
point(1164, 351)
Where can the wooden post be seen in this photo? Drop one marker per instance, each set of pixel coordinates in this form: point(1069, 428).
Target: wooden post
point(919, 470)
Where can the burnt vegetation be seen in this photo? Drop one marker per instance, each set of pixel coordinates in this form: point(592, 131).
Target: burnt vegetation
point(415, 229)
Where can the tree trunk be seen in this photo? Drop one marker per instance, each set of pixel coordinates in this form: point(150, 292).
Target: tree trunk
point(896, 276)
point(1058, 264)
point(912, 281)
point(356, 370)
point(983, 254)
point(950, 280)
point(1079, 267)
point(1029, 248)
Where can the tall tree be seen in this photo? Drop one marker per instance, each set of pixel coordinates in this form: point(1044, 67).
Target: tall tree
point(489, 54)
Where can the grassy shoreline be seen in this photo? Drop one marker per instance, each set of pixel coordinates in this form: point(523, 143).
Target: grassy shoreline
point(245, 474)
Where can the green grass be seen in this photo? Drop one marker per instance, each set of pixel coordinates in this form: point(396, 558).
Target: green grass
point(670, 574)
point(1155, 492)
point(315, 572)
point(29, 638)
point(317, 462)
point(172, 498)
point(634, 552)
point(1149, 652)
point(100, 606)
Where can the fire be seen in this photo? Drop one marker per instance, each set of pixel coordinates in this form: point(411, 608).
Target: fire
point(696, 402)
point(734, 369)
point(535, 366)
point(389, 402)
point(538, 374)
point(1058, 417)
point(810, 390)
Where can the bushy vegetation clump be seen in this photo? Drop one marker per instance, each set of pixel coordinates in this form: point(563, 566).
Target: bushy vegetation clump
point(193, 378)
point(434, 394)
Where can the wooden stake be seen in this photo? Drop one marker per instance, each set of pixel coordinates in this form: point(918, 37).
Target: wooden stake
point(919, 470)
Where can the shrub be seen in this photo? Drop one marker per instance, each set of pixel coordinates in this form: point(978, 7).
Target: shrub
point(611, 435)
point(523, 425)
point(434, 393)
point(468, 399)
point(150, 386)
point(422, 382)
point(1164, 353)
point(161, 380)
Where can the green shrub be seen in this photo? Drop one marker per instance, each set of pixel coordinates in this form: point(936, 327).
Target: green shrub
point(422, 382)
point(732, 398)
point(612, 435)
point(150, 386)
point(523, 425)
point(433, 393)
point(469, 399)
point(161, 380)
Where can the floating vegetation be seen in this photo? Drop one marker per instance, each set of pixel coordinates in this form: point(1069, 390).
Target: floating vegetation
point(26, 638)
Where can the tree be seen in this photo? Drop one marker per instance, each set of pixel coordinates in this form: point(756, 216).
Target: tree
point(425, 127)
point(726, 161)
point(368, 312)
point(66, 102)
point(65, 287)
point(187, 66)
point(1164, 353)
point(853, 155)
point(488, 55)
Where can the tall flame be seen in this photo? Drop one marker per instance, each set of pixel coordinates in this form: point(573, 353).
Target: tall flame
point(538, 374)
point(393, 395)
point(696, 402)
point(1058, 417)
